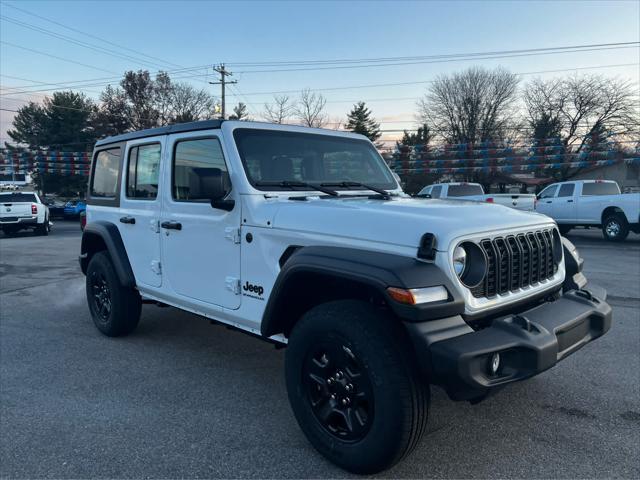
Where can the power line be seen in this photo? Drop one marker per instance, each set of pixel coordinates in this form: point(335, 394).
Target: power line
point(88, 34)
point(428, 57)
point(458, 59)
point(93, 47)
point(39, 52)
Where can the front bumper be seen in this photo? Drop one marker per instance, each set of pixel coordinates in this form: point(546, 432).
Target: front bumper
point(457, 357)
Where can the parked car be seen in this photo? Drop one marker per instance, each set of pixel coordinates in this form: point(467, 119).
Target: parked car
point(56, 208)
point(475, 192)
point(304, 238)
point(73, 208)
point(10, 187)
point(592, 203)
point(23, 210)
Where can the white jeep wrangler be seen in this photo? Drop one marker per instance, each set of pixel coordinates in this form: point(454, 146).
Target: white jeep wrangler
point(303, 237)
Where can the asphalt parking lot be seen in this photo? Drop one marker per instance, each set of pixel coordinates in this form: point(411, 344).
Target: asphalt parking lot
point(183, 398)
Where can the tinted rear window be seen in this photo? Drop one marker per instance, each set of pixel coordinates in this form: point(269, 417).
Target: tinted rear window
point(17, 197)
point(464, 190)
point(604, 188)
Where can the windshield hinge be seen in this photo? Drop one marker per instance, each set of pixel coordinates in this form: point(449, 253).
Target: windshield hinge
point(233, 234)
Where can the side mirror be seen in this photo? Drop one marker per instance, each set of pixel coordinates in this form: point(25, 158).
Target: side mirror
point(215, 185)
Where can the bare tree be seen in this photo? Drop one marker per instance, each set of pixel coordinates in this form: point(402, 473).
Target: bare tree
point(470, 106)
point(582, 106)
point(279, 111)
point(310, 109)
point(189, 104)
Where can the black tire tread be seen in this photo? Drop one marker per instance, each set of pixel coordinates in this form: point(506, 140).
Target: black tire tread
point(624, 225)
point(126, 302)
point(382, 331)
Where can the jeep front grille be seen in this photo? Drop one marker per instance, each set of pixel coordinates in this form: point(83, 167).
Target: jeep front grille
point(516, 261)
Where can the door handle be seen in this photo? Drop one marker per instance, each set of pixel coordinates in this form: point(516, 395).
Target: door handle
point(171, 225)
point(130, 220)
point(548, 201)
point(569, 201)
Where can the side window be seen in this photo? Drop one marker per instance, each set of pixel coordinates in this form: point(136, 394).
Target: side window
point(143, 172)
point(105, 173)
point(195, 162)
point(435, 192)
point(549, 191)
point(566, 190)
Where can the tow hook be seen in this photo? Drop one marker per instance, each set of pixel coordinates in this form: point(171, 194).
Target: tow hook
point(588, 295)
point(523, 322)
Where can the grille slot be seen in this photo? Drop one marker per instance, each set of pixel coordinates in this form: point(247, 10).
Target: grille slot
point(515, 262)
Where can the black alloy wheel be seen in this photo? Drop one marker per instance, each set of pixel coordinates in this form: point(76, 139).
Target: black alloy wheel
point(101, 295)
point(339, 390)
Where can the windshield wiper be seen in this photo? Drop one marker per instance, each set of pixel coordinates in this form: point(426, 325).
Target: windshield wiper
point(294, 184)
point(386, 195)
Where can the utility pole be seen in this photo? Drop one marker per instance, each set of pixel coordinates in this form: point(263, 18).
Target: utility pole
point(223, 81)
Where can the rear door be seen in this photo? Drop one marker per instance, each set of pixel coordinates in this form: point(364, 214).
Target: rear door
point(140, 205)
point(200, 244)
point(564, 209)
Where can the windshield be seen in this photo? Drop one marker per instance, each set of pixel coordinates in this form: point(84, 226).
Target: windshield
point(464, 190)
point(17, 197)
point(278, 156)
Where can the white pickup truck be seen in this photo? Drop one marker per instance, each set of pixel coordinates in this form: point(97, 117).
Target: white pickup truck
point(475, 192)
point(20, 210)
point(592, 203)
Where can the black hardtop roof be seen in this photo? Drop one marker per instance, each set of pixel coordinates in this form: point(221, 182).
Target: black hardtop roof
point(152, 132)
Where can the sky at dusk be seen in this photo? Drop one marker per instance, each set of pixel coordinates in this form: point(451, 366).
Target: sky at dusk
point(199, 34)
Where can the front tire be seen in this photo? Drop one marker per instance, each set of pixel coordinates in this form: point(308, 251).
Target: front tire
point(115, 309)
point(615, 228)
point(353, 386)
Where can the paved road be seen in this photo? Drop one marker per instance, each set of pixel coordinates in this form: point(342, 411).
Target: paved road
point(183, 398)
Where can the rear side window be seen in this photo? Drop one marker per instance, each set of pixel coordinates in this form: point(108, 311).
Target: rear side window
point(435, 192)
point(105, 173)
point(600, 188)
point(17, 197)
point(193, 163)
point(566, 190)
point(464, 190)
point(143, 172)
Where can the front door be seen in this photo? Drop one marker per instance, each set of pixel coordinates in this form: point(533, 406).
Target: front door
point(139, 212)
point(565, 206)
point(546, 199)
point(200, 244)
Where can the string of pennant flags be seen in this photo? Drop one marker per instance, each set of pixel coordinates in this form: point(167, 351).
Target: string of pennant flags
point(492, 157)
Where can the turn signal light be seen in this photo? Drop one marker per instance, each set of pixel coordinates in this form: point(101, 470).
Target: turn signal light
point(34, 209)
point(417, 296)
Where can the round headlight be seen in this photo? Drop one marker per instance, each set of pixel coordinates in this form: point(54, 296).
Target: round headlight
point(470, 264)
point(459, 260)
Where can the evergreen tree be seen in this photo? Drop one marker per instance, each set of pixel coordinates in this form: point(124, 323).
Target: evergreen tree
point(421, 137)
point(239, 112)
point(359, 120)
point(62, 122)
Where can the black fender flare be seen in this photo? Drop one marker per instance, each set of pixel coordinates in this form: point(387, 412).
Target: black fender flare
point(106, 233)
point(375, 270)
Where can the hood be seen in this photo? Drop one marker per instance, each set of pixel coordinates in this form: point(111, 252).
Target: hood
point(400, 221)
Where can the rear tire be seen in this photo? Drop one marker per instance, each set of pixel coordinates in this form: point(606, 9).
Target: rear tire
point(354, 387)
point(115, 309)
point(43, 229)
point(615, 228)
